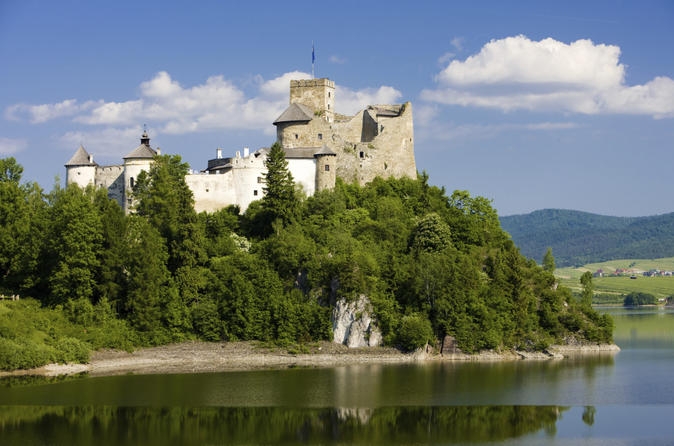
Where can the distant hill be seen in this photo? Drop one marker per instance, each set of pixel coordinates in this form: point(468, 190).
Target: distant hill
point(577, 238)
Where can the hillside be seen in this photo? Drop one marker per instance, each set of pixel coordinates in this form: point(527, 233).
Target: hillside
point(577, 238)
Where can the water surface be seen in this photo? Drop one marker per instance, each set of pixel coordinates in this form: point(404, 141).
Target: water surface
point(624, 398)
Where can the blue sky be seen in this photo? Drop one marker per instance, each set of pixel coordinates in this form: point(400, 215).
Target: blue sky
point(531, 104)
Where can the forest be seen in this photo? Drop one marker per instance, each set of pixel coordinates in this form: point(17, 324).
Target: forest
point(578, 238)
point(431, 264)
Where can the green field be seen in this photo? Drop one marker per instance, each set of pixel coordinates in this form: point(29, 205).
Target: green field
point(660, 287)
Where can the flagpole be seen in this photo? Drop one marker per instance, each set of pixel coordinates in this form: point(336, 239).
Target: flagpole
point(313, 58)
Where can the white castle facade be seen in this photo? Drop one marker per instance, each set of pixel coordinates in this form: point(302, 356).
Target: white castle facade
point(319, 144)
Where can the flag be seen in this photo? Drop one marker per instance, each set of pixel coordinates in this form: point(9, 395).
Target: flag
point(313, 54)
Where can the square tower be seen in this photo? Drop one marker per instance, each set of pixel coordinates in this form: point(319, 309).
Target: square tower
point(317, 94)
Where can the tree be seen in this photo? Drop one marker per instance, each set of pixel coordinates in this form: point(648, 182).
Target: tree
point(15, 227)
point(588, 288)
point(431, 234)
point(549, 261)
point(10, 170)
point(279, 198)
point(148, 279)
point(74, 242)
point(165, 199)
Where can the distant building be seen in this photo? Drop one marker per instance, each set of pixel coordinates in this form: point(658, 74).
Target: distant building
point(320, 145)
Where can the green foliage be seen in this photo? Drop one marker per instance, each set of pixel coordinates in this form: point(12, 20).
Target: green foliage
point(32, 336)
point(549, 261)
point(634, 299)
point(21, 229)
point(73, 245)
point(588, 288)
point(415, 332)
point(430, 264)
point(279, 199)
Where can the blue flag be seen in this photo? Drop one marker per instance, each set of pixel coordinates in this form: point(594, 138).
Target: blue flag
point(313, 54)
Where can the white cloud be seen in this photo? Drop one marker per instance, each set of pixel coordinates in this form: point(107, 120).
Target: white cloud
point(489, 131)
point(350, 102)
point(9, 146)
point(171, 108)
point(104, 140)
point(37, 114)
point(279, 86)
point(337, 60)
point(457, 43)
point(580, 77)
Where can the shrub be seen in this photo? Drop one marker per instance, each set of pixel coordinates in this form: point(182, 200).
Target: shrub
point(414, 332)
point(70, 350)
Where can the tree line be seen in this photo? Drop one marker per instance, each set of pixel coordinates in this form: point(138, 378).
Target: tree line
point(430, 264)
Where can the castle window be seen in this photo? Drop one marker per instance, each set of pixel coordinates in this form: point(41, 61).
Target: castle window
point(328, 106)
point(132, 182)
point(260, 180)
point(327, 167)
point(297, 136)
point(255, 192)
point(362, 154)
point(320, 136)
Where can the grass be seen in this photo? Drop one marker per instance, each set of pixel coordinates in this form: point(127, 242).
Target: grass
point(660, 287)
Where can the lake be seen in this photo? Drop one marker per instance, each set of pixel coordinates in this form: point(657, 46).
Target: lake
point(605, 399)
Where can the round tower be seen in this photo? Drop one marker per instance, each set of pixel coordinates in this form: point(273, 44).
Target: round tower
point(140, 159)
point(81, 169)
point(326, 169)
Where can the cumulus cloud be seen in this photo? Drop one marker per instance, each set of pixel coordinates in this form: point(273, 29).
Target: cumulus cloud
point(172, 108)
point(351, 101)
point(9, 146)
point(580, 77)
point(37, 114)
point(175, 109)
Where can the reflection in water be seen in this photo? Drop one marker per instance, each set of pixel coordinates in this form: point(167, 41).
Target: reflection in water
point(104, 425)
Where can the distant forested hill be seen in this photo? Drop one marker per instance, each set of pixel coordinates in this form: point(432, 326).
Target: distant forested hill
point(577, 238)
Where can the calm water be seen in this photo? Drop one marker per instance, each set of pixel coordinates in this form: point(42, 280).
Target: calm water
point(625, 398)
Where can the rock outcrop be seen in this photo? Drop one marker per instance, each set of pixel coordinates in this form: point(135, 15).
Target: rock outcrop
point(353, 324)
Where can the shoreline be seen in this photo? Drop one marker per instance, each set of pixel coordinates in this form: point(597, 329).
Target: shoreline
point(212, 357)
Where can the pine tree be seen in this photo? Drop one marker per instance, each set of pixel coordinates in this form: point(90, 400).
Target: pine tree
point(549, 261)
point(279, 199)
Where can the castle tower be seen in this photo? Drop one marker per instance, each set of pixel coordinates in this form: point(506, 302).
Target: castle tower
point(134, 163)
point(326, 169)
point(317, 94)
point(81, 169)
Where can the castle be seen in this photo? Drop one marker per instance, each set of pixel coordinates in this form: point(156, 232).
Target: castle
point(320, 145)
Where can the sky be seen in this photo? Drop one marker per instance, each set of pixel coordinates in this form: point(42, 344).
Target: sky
point(531, 104)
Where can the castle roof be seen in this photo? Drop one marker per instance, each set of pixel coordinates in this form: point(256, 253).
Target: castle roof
point(325, 151)
point(143, 150)
point(295, 113)
point(303, 152)
point(81, 158)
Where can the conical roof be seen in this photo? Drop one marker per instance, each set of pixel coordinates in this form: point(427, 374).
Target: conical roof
point(81, 158)
point(325, 151)
point(143, 150)
point(295, 113)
